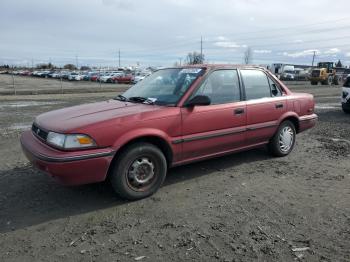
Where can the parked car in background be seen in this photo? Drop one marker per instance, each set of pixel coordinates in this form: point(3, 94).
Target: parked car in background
point(108, 77)
point(345, 99)
point(98, 76)
point(87, 76)
point(173, 117)
point(138, 78)
point(75, 76)
point(95, 78)
point(56, 74)
point(288, 75)
point(42, 73)
point(25, 73)
point(123, 78)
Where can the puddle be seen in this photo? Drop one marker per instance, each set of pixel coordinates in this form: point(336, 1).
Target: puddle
point(27, 104)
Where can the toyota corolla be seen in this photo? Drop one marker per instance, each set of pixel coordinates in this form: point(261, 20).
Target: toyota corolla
point(173, 117)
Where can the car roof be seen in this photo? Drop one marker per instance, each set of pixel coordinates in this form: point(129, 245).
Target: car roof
point(222, 66)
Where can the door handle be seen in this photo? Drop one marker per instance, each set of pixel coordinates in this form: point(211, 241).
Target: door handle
point(239, 111)
point(279, 105)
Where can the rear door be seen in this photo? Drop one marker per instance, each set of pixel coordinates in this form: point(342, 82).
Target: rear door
point(265, 105)
point(220, 126)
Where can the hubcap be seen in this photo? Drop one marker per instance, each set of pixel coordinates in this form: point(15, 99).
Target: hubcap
point(141, 173)
point(286, 139)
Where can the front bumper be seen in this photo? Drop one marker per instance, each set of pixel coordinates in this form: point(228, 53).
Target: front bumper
point(317, 79)
point(307, 121)
point(69, 168)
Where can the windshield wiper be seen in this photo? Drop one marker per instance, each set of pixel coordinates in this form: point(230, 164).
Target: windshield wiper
point(120, 98)
point(140, 99)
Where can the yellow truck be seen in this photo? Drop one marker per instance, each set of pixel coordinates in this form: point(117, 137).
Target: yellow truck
point(325, 74)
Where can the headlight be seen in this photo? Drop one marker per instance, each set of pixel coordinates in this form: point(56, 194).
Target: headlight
point(70, 141)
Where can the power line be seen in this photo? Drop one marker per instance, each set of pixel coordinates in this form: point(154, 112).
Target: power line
point(119, 57)
point(321, 30)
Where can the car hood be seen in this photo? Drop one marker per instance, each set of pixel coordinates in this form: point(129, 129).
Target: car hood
point(71, 119)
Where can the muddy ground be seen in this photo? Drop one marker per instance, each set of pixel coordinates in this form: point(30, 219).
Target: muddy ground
point(243, 207)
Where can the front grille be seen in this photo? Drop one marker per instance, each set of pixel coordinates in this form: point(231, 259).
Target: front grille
point(42, 134)
point(315, 73)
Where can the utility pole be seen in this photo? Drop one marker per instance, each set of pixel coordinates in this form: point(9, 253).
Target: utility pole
point(313, 58)
point(76, 61)
point(201, 50)
point(119, 57)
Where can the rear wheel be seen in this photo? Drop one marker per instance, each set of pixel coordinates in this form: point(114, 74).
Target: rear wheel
point(283, 141)
point(346, 111)
point(313, 83)
point(139, 172)
point(328, 81)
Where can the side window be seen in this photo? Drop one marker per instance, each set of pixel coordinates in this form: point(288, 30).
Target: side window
point(222, 86)
point(256, 84)
point(275, 90)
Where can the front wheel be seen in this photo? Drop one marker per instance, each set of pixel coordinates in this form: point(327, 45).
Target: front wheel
point(139, 171)
point(336, 81)
point(283, 141)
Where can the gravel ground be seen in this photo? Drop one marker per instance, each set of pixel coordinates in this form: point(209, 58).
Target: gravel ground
point(243, 207)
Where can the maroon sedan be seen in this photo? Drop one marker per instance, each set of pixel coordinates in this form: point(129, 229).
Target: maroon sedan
point(123, 79)
point(173, 117)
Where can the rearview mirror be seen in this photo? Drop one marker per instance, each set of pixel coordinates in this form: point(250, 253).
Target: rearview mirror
point(198, 100)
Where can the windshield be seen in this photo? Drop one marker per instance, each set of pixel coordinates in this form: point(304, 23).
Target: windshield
point(165, 86)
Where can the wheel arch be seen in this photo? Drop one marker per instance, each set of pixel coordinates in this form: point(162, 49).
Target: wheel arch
point(292, 118)
point(153, 139)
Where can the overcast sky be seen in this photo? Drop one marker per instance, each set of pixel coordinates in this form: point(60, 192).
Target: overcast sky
point(161, 32)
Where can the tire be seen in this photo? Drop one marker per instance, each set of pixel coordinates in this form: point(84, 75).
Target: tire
point(277, 146)
point(314, 83)
point(138, 158)
point(336, 81)
point(346, 111)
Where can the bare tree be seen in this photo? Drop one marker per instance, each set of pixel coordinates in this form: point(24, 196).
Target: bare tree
point(70, 67)
point(194, 58)
point(248, 56)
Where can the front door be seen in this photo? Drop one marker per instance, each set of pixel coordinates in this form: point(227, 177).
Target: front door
point(220, 126)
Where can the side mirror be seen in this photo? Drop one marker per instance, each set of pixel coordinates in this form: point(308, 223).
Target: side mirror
point(198, 101)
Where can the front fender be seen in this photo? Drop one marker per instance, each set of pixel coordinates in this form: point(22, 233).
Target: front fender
point(138, 133)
